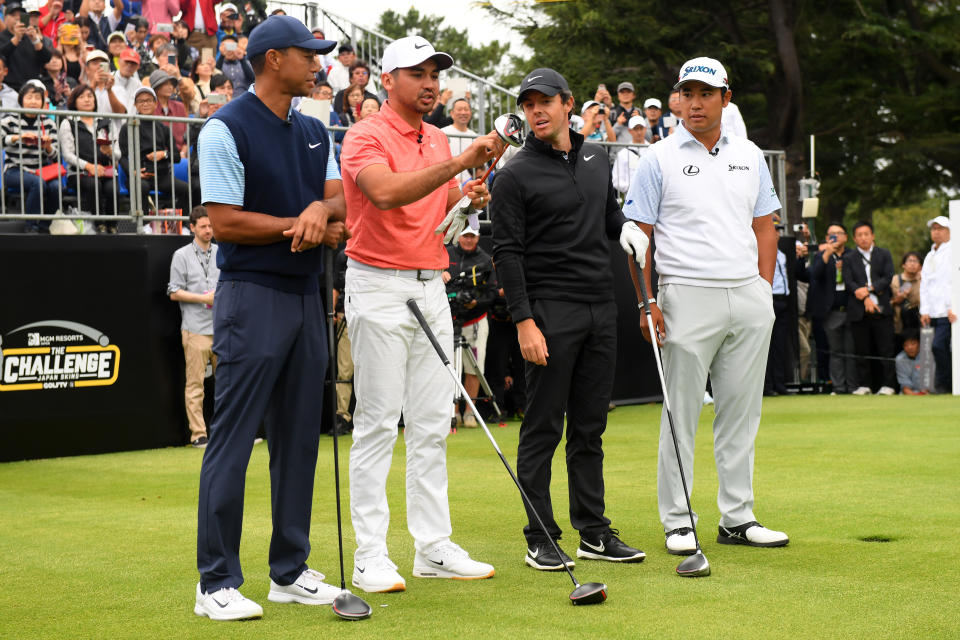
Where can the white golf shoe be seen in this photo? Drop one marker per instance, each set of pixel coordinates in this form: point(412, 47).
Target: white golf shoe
point(886, 391)
point(752, 534)
point(861, 391)
point(377, 574)
point(226, 604)
point(448, 560)
point(309, 588)
point(681, 542)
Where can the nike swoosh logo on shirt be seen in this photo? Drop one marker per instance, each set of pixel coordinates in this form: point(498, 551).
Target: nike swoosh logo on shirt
point(314, 146)
point(587, 158)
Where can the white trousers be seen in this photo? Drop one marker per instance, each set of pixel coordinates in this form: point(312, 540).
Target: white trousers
point(397, 370)
point(726, 333)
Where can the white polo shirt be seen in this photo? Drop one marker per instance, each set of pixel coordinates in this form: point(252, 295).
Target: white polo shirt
point(702, 205)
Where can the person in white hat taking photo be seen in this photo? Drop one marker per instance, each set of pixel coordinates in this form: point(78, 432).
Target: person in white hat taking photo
point(399, 181)
point(710, 199)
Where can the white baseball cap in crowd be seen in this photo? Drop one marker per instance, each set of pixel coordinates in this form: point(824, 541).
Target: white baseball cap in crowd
point(943, 221)
point(636, 121)
point(576, 123)
point(411, 51)
point(652, 102)
point(587, 105)
point(229, 6)
point(96, 54)
point(705, 70)
point(468, 230)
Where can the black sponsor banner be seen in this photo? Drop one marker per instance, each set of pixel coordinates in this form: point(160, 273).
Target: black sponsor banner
point(91, 355)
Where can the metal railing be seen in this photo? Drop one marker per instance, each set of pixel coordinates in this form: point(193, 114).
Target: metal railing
point(487, 99)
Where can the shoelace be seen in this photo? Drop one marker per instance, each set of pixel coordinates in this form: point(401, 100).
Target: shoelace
point(310, 575)
point(227, 594)
point(682, 531)
point(449, 549)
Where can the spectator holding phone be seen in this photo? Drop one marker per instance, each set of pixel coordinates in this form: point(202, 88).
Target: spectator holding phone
point(30, 143)
point(52, 17)
point(90, 156)
point(160, 12)
point(602, 96)
point(221, 92)
point(21, 47)
point(233, 64)
point(57, 82)
point(186, 55)
point(72, 46)
point(656, 129)
point(230, 22)
point(905, 288)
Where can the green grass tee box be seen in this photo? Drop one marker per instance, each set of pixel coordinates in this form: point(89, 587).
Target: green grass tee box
point(867, 488)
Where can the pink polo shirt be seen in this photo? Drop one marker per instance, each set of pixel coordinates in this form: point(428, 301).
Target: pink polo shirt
point(401, 238)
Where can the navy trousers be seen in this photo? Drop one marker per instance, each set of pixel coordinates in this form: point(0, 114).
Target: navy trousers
point(941, 354)
point(272, 351)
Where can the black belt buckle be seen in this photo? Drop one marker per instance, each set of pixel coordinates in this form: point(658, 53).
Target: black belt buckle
point(420, 273)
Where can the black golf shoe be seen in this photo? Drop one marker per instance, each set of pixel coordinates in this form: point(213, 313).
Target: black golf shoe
point(752, 534)
point(607, 546)
point(543, 557)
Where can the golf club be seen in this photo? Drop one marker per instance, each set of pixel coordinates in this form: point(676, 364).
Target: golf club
point(346, 605)
point(509, 127)
point(695, 566)
point(589, 593)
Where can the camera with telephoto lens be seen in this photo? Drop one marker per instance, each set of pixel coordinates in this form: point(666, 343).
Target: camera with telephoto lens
point(461, 292)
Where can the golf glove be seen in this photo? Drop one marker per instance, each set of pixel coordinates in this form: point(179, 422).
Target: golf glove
point(635, 242)
point(459, 217)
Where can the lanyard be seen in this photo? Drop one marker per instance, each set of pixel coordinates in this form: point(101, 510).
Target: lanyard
point(203, 257)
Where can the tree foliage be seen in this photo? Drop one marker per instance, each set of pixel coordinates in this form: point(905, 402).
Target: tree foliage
point(877, 81)
point(480, 60)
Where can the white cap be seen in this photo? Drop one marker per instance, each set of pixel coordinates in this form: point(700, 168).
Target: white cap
point(576, 123)
point(468, 230)
point(587, 105)
point(635, 121)
point(96, 54)
point(652, 102)
point(227, 6)
point(943, 221)
point(705, 70)
point(411, 51)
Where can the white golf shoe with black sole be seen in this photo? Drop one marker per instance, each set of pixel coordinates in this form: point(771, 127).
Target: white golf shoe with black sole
point(681, 542)
point(752, 534)
point(448, 560)
point(226, 604)
point(309, 588)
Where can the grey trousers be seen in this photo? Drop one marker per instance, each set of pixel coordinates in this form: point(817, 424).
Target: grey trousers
point(843, 369)
point(726, 333)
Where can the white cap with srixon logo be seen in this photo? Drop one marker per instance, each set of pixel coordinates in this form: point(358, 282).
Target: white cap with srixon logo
point(706, 70)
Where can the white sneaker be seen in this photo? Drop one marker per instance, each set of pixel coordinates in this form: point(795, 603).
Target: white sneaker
point(377, 575)
point(469, 421)
point(309, 588)
point(862, 391)
point(707, 398)
point(886, 391)
point(752, 534)
point(681, 542)
point(226, 604)
point(448, 560)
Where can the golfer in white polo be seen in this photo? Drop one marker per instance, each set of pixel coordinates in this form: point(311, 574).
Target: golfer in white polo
point(709, 197)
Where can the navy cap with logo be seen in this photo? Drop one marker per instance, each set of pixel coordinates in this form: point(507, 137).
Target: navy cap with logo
point(546, 81)
point(280, 32)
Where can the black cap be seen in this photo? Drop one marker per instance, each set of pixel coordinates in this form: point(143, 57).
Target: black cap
point(12, 6)
point(546, 81)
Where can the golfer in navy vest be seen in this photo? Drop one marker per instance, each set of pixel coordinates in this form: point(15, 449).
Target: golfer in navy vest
point(274, 196)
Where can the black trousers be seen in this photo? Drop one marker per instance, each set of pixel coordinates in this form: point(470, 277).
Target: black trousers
point(96, 194)
point(873, 336)
point(504, 359)
point(775, 379)
point(577, 380)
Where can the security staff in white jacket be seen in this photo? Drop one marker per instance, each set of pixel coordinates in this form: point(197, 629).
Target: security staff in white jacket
point(709, 197)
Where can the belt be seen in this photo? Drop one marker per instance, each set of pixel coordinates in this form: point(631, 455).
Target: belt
point(414, 274)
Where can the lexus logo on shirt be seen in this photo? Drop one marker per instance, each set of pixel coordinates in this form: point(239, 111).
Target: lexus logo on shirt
point(691, 170)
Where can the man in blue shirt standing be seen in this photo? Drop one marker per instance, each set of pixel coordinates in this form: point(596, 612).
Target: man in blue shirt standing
point(274, 195)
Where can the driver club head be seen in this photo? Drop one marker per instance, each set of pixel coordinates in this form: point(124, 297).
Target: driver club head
point(509, 127)
point(695, 566)
point(351, 607)
point(589, 593)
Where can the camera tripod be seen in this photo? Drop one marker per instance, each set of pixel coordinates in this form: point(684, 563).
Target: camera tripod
point(461, 350)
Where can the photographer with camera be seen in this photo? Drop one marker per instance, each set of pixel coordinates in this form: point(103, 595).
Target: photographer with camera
point(596, 125)
point(471, 289)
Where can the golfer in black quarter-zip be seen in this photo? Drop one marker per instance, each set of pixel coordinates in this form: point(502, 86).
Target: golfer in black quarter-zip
point(554, 211)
